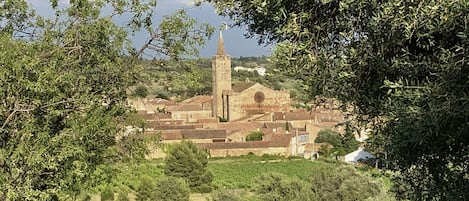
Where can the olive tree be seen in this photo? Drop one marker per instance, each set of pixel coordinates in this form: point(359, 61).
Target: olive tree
point(402, 65)
point(64, 82)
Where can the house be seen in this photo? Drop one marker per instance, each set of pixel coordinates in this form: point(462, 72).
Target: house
point(278, 145)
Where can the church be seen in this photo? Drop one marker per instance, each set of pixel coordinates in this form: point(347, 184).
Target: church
point(243, 100)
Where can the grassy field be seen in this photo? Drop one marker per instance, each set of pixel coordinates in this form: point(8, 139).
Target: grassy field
point(241, 174)
point(234, 172)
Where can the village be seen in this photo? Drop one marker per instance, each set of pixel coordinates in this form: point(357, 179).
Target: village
point(221, 123)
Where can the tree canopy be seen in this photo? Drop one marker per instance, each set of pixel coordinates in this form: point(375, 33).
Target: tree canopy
point(401, 64)
point(185, 160)
point(254, 136)
point(64, 82)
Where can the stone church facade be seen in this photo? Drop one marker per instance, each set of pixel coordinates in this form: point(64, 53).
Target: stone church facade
point(244, 99)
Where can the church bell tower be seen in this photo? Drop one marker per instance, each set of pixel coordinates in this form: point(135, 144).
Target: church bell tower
point(221, 81)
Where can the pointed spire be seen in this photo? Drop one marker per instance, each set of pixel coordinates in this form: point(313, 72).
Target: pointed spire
point(221, 46)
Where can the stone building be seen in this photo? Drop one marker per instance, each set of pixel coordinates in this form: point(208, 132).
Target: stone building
point(244, 99)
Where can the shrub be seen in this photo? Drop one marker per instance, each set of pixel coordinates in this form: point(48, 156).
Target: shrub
point(342, 183)
point(172, 189)
point(123, 195)
point(255, 136)
point(282, 188)
point(145, 189)
point(185, 160)
point(107, 194)
point(141, 91)
point(229, 195)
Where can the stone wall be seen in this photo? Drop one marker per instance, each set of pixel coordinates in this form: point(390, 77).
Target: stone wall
point(283, 151)
point(191, 116)
point(242, 103)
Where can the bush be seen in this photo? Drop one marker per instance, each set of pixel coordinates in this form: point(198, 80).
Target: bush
point(107, 194)
point(229, 195)
point(341, 144)
point(141, 91)
point(172, 189)
point(328, 136)
point(255, 136)
point(282, 188)
point(123, 195)
point(185, 160)
point(145, 189)
point(342, 183)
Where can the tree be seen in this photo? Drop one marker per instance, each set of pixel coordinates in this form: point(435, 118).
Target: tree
point(400, 64)
point(342, 183)
point(328, 136)
point(64, 88)
point(255, 136)
point(171, 188)
point(341, 144)
point(146, 189)
point(281, 188)
point(185, 160)
point(349, 142)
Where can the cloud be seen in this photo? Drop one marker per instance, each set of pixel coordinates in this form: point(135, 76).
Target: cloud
point(175, 3)
point(46, 3)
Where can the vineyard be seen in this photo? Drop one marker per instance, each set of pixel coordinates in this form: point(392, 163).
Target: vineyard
point(240, 174)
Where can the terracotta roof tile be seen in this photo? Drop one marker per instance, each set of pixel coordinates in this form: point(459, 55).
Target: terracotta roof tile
point(204, 134)
point(197, 99)
point(239, 126)
point(277, 141)
point(282, 125)
point(154, 116)
point(187, 107)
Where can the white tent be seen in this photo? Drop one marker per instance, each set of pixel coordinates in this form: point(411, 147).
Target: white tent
point(357, 155)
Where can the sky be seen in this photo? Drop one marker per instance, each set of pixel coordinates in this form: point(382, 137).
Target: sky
point(236, 44)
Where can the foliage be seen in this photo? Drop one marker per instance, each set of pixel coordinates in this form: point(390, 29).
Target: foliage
point(141, 91)
point(221, 119)
point(131, 143)
point(280, 187)
point(107, 194)
point(342, 183)
point(166, 188)
point(401, 64)
point(64, 87)
point(241, 172)
point(349, 142)
point(329, 136)
point(341, 144)
point(172, 189)
point(130, 173)
point(145, 190)
point(229, 195)
point(300, 179)
point(185, 160)
point(255, 136)
point(123, 195)
point(180, 32)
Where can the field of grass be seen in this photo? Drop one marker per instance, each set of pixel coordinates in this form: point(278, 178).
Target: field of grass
point(240, 172)
point(236, 172)
point(130, 173)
